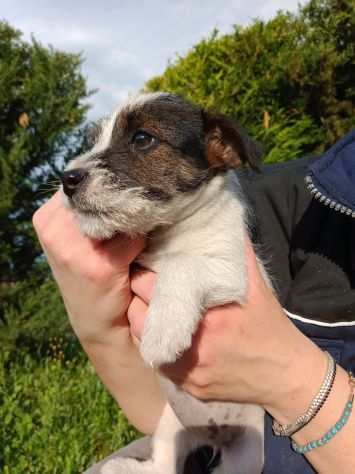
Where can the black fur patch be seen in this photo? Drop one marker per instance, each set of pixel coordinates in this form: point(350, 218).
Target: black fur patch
point(176, 164)
point(202, 460)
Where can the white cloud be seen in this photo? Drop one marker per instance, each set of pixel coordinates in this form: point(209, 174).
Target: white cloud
point(125, 42)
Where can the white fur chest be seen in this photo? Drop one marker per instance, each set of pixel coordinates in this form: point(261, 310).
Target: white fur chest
point(211, 228)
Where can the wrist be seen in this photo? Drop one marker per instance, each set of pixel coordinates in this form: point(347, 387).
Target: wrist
point(296, 387)
point(106, 334)
point(117, 344)
point(102, 322)
point(330, 412)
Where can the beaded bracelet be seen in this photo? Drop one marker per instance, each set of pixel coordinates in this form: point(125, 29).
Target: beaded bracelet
point(306, 448)
point(316, 404)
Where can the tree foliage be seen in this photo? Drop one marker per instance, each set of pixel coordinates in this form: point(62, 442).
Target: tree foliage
point(42, 94)
point(289, 81)
point(41, 106)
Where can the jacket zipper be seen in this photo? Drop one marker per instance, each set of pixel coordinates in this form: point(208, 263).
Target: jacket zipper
point(325, 200)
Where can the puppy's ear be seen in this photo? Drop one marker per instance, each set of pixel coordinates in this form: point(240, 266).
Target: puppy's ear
point(227, 145)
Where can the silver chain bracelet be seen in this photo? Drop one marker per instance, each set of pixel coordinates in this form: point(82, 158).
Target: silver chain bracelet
point(314, 407)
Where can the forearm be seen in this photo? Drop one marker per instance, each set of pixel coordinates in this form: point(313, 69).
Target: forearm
point(305, 379)
point(133, 385)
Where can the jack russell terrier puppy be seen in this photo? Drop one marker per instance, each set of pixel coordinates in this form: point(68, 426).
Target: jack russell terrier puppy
point(158, 168)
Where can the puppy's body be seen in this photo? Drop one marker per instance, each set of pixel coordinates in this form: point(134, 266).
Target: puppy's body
point(200, 264)
point(159, 168)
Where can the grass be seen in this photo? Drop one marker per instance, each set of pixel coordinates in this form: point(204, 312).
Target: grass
point(56, 416)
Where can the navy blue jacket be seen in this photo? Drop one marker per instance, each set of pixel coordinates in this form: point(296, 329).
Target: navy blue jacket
point(305, 224)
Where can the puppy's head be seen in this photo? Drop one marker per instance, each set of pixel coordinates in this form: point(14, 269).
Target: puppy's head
point(151, 157)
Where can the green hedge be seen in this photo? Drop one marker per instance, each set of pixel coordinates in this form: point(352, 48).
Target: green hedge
point(56, 417)
point(289, 81)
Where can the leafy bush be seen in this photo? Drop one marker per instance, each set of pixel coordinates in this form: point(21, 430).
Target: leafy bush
point(42, 110)
point(56, 417)
point(34, 313)
point(289, 81)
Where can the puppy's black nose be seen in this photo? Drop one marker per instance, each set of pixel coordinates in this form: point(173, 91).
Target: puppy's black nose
point(72, 179)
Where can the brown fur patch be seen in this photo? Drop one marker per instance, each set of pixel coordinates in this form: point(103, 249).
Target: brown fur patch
point(220, 154)
point(227, 145)
point(175, 164)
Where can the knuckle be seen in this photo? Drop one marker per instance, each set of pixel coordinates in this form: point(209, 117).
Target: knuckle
point(46, 238)
point(64, 259)
point(201, 380)
point(97, 272)
point(206, 355)
point(42, 224)
point(198, 392)
point(135, 316)
point(38, 219)
point(216, 320)
point(90, 273)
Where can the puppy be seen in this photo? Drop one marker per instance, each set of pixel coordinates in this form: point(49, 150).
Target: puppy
point(158, 168)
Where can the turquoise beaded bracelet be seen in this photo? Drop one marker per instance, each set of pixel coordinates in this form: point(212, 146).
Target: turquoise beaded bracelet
point(306, 448)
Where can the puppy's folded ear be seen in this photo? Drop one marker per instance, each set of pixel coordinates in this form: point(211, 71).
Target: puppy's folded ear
point(227, 144)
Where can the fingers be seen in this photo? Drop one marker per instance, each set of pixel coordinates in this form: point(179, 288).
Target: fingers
point(54, 222)
point(44, 214)
point(142, 284)
point(136, 314)
point(59, 234)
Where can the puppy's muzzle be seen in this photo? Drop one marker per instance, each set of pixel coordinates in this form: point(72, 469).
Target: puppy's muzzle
point(72, 180)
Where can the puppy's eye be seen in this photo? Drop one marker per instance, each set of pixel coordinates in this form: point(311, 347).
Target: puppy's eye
point(142, 141)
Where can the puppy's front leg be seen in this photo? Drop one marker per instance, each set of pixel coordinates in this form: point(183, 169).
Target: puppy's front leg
point(174, 312)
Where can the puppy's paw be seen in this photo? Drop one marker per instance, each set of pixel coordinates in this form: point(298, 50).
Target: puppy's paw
point(158, 351)
point(165, 338)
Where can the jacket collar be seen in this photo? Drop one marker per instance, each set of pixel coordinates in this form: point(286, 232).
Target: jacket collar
point(331, 178)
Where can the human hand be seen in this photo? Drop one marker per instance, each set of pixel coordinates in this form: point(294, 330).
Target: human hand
point(250, 353)
point(92, 275)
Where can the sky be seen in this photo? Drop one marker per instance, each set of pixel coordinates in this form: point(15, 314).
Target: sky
point(126, 42)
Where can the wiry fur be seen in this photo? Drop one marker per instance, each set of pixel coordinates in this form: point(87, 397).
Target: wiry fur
point(196, 244)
